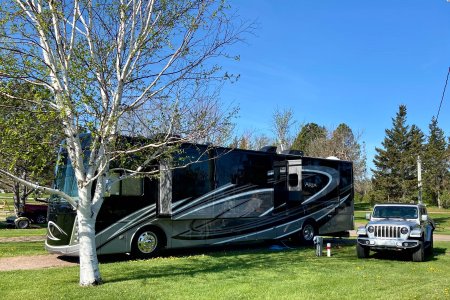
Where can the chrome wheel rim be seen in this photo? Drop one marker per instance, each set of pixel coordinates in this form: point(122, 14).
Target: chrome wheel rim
point(308, 232)
point(147, 242)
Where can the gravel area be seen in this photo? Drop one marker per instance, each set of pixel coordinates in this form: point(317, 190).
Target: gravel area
point(35, 262)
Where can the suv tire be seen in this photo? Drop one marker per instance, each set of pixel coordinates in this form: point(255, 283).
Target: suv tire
point(419, 254)
point(362, 252)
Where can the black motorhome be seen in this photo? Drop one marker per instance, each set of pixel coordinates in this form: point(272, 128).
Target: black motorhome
point(217, 196)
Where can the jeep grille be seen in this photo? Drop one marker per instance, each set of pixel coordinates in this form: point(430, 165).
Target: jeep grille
point(385, 231)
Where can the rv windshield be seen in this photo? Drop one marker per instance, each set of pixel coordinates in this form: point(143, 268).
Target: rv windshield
point(401, 212)
point(65, 180)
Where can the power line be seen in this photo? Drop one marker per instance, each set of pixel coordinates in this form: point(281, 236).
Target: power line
point(443, 94)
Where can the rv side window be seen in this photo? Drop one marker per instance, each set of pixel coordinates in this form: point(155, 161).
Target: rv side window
point(115, 188)
point(131, 186)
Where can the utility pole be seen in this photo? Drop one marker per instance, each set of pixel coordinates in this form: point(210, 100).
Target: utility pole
point(419, 178)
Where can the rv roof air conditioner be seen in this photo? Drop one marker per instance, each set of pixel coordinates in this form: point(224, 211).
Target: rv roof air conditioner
point(293, 152)
point(269, 149)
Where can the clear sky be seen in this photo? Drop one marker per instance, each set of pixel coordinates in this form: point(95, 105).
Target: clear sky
point(347, 61)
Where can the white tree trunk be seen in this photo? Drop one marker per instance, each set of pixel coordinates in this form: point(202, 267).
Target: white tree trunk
point(89, 268)
point(439, 200)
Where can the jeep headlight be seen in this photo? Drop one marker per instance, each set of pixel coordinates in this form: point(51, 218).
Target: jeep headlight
point(404, 230)
point(370, 229)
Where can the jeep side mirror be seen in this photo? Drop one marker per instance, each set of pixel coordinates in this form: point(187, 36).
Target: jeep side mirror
point(424, 217)
point(367, 216)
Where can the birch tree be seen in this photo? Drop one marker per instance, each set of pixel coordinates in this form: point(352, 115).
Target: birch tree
point(283, 121)
point(113, 65)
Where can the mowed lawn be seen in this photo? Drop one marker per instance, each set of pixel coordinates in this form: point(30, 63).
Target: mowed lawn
point(245, 273)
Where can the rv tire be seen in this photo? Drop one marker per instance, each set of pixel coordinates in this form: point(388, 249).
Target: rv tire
point(308, 233)
point(147, 243)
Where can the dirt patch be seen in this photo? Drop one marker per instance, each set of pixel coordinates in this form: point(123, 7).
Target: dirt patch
point(35, 262)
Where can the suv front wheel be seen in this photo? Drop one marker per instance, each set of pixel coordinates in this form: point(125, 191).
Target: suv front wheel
point(419, 254)
point(362, 252)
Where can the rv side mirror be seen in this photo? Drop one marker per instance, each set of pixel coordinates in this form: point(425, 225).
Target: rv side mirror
point(424, 217)
point(367, 216)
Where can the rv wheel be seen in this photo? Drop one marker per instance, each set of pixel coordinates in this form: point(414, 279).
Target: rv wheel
point(146, 243)
point(307, 233)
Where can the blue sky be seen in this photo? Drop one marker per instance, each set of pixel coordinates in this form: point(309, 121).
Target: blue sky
point(347, 61)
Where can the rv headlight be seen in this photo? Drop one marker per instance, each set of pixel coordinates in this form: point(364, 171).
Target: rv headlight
point(404, 230)
point(370, 229)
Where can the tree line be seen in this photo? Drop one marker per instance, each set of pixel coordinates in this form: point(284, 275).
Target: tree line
point(395, 175)
point(313, 140)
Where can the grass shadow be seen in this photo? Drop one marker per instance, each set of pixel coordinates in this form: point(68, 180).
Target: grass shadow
point(406, 255)
point(439, 220)
point(204, 260)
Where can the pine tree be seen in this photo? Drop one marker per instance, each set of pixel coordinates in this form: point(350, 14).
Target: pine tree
point(395, 164)
point(307, 135)
point(436, 163)
point(415, 148)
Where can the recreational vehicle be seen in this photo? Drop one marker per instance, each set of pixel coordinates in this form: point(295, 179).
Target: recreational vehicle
point(214, 196)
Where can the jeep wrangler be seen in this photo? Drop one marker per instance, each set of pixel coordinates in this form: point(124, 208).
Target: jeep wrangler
point(397, 227)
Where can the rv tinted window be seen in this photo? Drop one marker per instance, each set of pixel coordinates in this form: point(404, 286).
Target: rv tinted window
point(132, 187)
point(115, 187)
point(242, 167)
point(194, 177)
point(127, 187)
point(346, 175)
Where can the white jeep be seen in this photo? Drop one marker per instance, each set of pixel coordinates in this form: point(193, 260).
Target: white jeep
point(397, 227)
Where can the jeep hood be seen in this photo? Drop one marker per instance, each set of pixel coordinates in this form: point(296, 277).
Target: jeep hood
point(393, 222)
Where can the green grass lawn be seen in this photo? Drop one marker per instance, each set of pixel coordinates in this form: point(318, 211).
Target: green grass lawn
point(12, 232)
point(23, 248)
point(245, 274)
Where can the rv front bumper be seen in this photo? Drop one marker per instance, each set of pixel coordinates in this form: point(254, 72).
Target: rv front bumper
point(73, 250)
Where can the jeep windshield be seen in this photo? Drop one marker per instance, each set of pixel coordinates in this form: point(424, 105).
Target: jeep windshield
point(395, 212)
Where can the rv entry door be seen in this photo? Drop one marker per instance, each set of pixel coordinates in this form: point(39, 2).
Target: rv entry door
point(287, 184)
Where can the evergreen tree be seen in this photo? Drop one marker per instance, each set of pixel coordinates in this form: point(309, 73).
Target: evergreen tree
point(415, 148)
point(394, 176)
point(309, 133)
point(435, 163)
